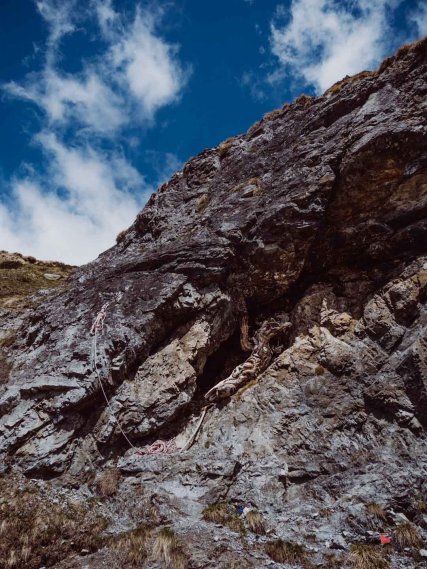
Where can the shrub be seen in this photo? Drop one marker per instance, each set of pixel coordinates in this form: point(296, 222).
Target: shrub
point(255, 522)
point(367, 557)
point(406, 534)
point(168, 550)
point(285, 551)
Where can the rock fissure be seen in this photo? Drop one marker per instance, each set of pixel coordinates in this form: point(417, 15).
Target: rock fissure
point(317, 213)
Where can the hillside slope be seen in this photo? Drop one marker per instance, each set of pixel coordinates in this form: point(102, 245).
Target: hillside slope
point(303, 242)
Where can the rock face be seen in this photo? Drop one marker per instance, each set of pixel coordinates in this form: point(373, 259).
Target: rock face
point(316, 216)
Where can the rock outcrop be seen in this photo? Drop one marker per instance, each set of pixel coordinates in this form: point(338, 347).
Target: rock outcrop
point(315, 217)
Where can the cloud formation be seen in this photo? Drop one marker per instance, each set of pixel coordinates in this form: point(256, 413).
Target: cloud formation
point(135, 74)
point(419, 17)
point(74, 208)
point(321, 41)
point(94, 198)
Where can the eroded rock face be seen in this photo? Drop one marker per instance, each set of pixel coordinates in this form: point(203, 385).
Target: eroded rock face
point(318, 213)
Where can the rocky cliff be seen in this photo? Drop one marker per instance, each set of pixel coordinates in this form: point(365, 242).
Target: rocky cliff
point(290, 264)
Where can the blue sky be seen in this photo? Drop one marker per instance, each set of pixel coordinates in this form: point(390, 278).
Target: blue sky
point(102, 100)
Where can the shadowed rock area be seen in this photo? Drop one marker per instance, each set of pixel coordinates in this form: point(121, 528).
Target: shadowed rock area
point(312, 224)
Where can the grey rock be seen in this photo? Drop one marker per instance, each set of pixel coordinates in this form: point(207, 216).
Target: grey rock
point(316, 215)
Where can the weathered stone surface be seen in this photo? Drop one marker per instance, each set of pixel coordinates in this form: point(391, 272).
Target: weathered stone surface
point(317, 212)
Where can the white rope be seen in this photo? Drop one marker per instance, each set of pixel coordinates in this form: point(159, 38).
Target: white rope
point(159, 446)
point(98, 326)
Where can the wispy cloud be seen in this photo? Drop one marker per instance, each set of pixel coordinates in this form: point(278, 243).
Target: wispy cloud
point(135, 74)
point(419, 18)
point(318, 42)
point(96, 195)
point(74, 207)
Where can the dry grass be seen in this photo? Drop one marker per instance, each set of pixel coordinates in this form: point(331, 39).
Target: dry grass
point(19, 282)
point(255, 522)
point(224, 147)
point(35, 532)
point(336, 87)
point(367, 557)
point(407, 535)
point(255, 182)
point(304, 100)
point(285, 551)
point(131, 548)
point(120, 236)
point(272, 115)
point(108, 482)
point(224, 515)
point(377, 511)
point(332, 561)
point(8, 339)
point(202, 203)
point(167, 549)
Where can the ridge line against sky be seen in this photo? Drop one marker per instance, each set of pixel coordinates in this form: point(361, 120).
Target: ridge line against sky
point(110, 97)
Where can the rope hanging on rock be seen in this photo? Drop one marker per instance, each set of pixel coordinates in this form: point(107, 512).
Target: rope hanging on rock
point(159, 446)
point(97, 327)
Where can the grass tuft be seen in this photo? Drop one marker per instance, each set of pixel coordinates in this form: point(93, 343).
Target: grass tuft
point(285, 551)
point(121, 236)
point(377, 511)
point(224, 147)
point(367, 557)
point(223, 514)
point(255, 522)
point(202, 203)
point(131, 548)
point(8, 339)
point(167, 549)
point(108, 482)
point(406, 534)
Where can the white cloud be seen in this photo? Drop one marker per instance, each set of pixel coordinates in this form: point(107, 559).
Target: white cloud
point(324, 40)
point(147, 65)
point(84, 100)
point(58, 15)
point(106, 15)
point(103, 194)
point(136, 74)
point(84, 196)
point(419, 18)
